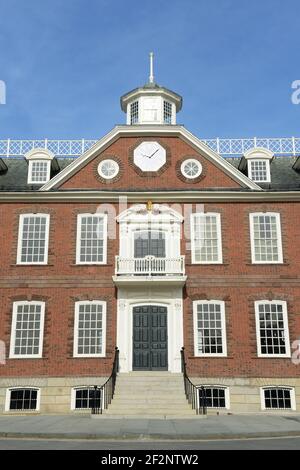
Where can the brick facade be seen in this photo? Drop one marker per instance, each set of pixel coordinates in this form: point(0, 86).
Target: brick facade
point(236, 281)
point(134, 179)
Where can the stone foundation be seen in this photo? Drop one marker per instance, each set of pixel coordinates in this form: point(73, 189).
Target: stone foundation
point(55, 392)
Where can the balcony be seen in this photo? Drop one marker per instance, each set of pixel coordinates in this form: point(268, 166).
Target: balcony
point(149, 269)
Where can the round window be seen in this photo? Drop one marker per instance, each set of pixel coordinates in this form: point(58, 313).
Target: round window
point(108, 169)
point(191, 168)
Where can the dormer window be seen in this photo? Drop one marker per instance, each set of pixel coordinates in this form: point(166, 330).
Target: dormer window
point(259, 171)
point(38, 172)
point(134, 112)
point(39, 166)
point(167, 112)
point(256, 163)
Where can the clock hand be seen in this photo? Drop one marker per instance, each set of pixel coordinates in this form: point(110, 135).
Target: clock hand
point(153, 153)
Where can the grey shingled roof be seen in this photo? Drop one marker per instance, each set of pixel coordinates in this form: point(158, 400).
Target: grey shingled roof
point(283, 176)
point(15, 178)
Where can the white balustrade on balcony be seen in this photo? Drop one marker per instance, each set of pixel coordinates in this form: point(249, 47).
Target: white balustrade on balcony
point(149, 266)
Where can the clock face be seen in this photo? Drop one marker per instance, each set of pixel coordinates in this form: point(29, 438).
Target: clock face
point(149, 156)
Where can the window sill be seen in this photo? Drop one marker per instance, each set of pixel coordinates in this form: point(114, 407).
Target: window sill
point(210, 357)
point(22, 412)
point(267, 264)
point(87, 265)
point(207, 264)
point(272, 356)
point(18, 358)
point(31, 265)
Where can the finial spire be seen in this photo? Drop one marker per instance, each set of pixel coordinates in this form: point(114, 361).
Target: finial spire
point(151, 76)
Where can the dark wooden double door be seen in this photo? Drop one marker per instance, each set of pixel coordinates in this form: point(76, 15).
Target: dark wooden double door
point(150, 338)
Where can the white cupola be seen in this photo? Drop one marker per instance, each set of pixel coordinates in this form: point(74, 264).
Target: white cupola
point(151, 104)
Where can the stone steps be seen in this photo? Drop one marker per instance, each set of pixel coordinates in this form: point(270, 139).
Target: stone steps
point(157, 412)
point(149, 394)
point(146, 416)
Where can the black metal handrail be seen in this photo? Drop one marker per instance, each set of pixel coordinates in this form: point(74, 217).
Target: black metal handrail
point(107, 390)
point(196, 396)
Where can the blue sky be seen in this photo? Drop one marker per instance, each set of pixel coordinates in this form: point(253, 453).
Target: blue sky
point(67, 62)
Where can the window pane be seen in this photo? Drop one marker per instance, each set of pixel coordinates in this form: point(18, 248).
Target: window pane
point(206, 239)
point(91, 239)
point(277, 398)
point(265, 238)
point(39, 172)
point(212, 397)
point(209, 329)
point(134, 112)
point(259, 170)
point(28, 326)
point(90, 329)
point(87, 398)
point(167, 112)
point(23, 399)
point(33, 241)
point(271, 329)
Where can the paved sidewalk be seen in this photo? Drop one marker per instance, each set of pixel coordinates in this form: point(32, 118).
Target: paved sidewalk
point(214, 427)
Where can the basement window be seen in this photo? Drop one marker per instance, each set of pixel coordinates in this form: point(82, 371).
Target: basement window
point(22, 399)
point(278, 398)
point(214, 397)
point(86, 398)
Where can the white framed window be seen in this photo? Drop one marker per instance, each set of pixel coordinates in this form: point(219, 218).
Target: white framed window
point(191, 168)
point(90, 329)
point(33, 239)
point(108, 169)
point(134, 112)
point(206, 238)
point(277, 398)
point(209, 328)
point(265, 234)
point(22, 399)
point(91, 239)
point(216, 396)
point(85, 398)
point(27, 329)
point(38, 171)
point(272, 330)
point(259, 170)
point(167, 112)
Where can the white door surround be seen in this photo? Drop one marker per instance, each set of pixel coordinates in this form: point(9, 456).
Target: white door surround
point(130, 298)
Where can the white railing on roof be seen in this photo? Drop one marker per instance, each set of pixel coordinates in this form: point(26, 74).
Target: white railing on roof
point(60, 148)
point(225, 147)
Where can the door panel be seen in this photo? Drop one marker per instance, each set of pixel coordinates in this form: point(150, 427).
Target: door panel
point(150, 338)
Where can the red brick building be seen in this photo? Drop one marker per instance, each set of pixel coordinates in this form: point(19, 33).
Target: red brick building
point(150, 241)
